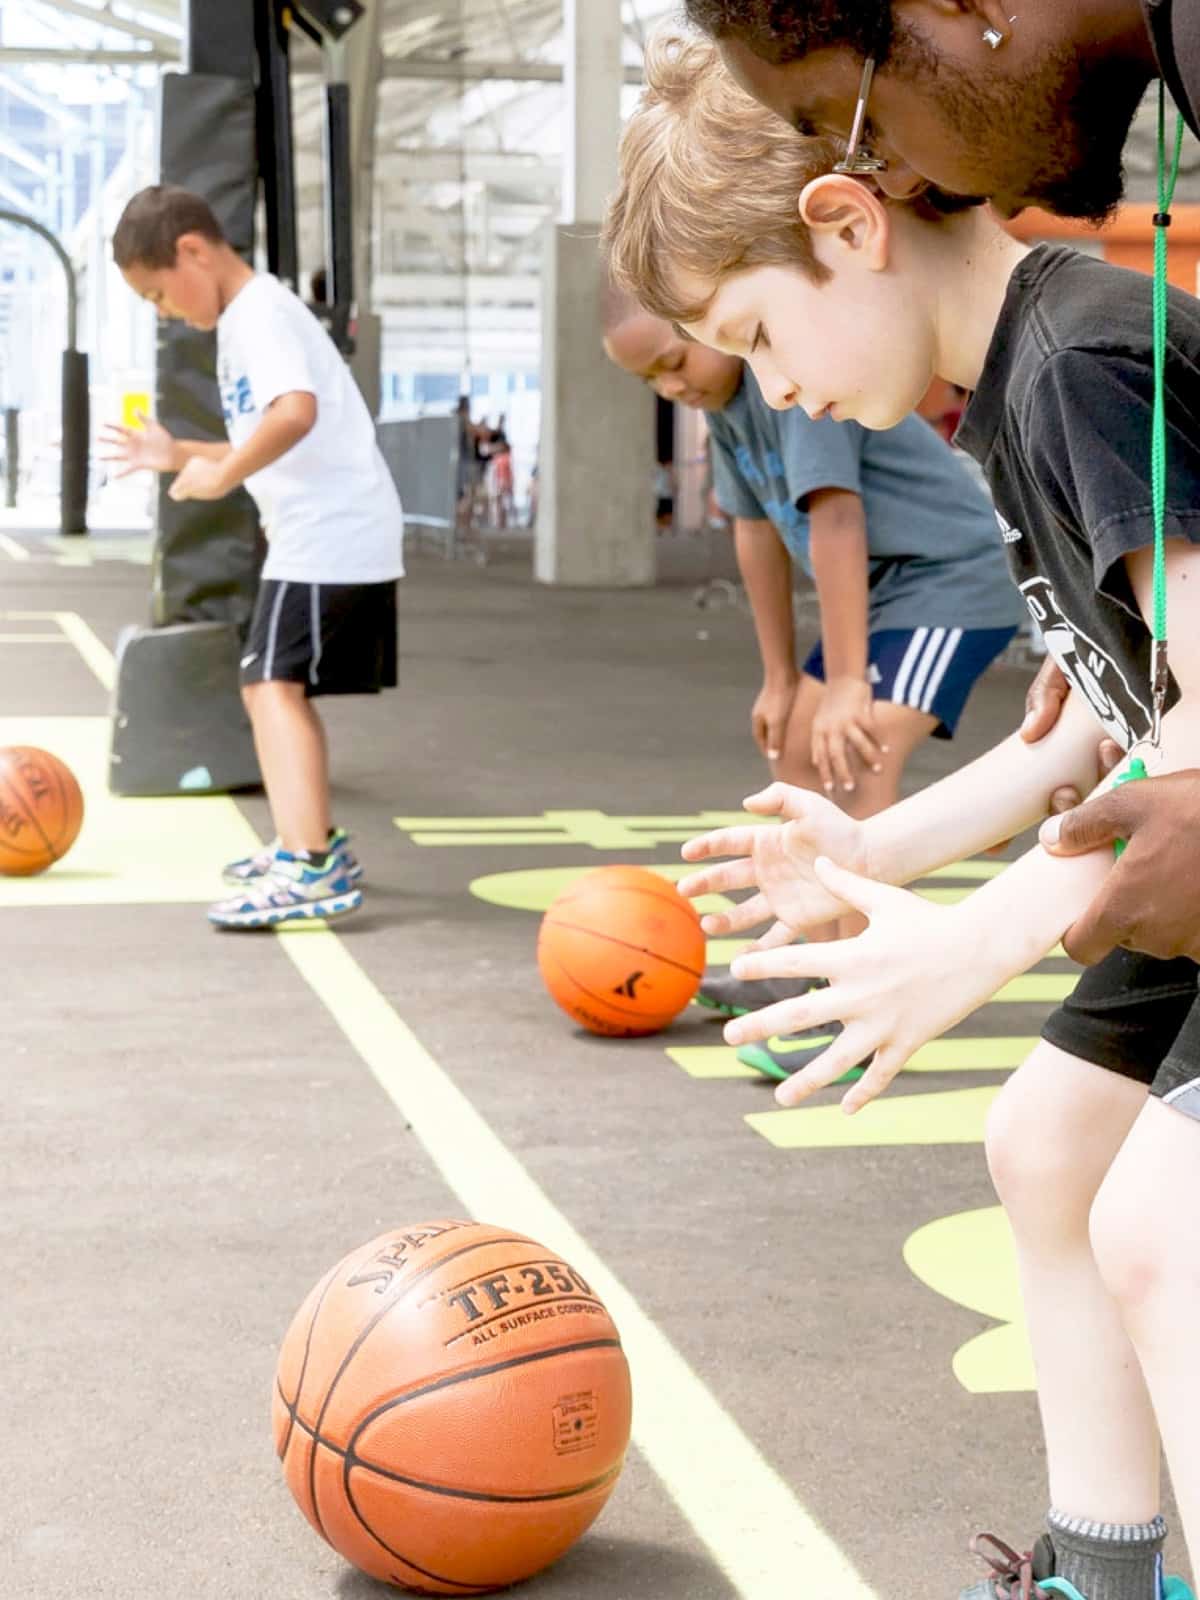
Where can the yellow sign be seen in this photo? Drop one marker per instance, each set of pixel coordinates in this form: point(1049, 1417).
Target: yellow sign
point(131, 405)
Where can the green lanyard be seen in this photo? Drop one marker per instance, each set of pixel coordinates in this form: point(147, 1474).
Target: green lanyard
point(1158, 447)
point(1158, 439)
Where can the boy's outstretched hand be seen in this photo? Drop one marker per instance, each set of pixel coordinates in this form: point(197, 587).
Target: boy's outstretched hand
point(778, 862)
point(149, 448)
point(912, 974)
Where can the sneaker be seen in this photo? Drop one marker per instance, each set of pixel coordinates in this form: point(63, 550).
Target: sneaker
point(785, 1053)
point(1016, 1576)
point(733, 997)
point(290, 891)
point(250, 868)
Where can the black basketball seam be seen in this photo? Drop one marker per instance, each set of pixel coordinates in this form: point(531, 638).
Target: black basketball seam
point(350, 1459)
point(57, 771)
point(28, 814)
point(603, 999)
point(641, 949)
point(293, 1408)
point(364, 1334)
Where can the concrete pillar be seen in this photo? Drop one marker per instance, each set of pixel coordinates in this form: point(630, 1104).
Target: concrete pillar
point(596, 462)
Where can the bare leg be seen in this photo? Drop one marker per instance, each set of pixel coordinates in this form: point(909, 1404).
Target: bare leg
point(1144, 1235)
point(1052, 1135)
point(290, 740)
point(901, 728)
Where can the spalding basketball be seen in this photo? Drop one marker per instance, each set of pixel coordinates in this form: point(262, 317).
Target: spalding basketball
point(452, 1407)
point(621, 951)
point(41, 810)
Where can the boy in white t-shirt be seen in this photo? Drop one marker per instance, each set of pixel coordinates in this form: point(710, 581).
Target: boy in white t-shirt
point(302, 442)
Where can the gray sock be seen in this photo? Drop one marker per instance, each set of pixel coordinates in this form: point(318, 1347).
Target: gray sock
point(1108, 1560)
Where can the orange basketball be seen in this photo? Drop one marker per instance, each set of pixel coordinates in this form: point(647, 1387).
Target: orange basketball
point(451, 1407)
point(621, 951)
point(41, 810)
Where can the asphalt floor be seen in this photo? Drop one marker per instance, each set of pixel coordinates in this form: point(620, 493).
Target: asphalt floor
point(832, 1387)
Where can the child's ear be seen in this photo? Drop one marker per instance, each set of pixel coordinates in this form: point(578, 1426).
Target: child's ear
point(843, 208)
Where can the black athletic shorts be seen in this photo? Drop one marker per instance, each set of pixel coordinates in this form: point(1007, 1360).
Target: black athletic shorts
point(1139, 1017)
point(334, 638)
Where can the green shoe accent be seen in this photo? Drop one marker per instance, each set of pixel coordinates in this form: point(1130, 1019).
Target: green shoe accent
point(783, 1055)
point(702, 999)
point(1176, 1589)
point(1061, 1586)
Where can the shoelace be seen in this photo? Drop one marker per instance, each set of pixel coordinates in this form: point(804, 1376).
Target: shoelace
point(1012, 1571)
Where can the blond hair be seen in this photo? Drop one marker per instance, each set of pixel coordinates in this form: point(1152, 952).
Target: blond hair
point(710, 183)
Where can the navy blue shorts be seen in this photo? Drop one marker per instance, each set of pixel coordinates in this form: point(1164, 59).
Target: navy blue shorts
point(930, 669)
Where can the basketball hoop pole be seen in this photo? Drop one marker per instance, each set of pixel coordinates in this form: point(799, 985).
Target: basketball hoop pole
point(76, 422)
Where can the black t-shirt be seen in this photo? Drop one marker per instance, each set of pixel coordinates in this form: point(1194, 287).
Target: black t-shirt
point(1175, 33)
point(1060, 425)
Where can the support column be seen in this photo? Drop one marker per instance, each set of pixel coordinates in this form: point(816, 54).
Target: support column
point(596, 462)
point(362, 63)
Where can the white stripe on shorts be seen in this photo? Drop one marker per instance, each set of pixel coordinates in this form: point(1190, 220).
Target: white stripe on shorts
point(915, 646)
point(273, 632)
point(315, 631)
point(928, 656)
point(939, 672)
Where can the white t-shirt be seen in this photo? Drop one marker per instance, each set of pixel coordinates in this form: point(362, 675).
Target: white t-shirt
point(329, 505)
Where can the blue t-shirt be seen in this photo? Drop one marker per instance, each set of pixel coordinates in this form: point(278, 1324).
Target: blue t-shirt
point(935, 556)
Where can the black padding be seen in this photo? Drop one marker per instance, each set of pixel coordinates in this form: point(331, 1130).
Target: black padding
point(76, 425)
point(208, 552)
point(178, 724)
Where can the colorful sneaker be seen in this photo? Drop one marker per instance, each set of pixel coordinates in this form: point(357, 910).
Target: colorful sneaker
point(1031, 1576)
point(733, 997)
point(291, 890)
point(250, 868)
point(782, 1054)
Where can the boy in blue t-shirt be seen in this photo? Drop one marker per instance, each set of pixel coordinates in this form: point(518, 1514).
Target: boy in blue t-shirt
point(914, 596)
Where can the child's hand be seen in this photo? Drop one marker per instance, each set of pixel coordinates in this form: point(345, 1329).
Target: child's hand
point(778, 861)
point(917, 970)
point(769, 715)
point(200, 479)
point(843, 729)
point(149, 448)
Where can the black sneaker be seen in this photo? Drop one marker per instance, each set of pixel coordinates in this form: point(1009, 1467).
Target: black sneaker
point(733, 997)
point(785, 1053)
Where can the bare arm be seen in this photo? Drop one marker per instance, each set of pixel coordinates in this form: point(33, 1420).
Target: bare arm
point(843, 727)
point(286, 422)
point(766, 570)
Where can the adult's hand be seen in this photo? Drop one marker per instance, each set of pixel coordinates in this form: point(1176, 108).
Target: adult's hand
point(1149, 901)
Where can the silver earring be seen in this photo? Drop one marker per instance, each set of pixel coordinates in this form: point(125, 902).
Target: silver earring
point(993, 36)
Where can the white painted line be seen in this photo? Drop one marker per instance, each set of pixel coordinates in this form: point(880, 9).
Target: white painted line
point(93, 650)
point(11, 548)
point(756, 1530)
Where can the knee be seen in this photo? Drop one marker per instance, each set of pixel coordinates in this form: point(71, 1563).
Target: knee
point(1033, 1166)
point(1130, 1256)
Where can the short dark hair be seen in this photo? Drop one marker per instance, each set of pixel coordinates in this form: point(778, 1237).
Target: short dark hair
point(784, 30)
point(155, 220)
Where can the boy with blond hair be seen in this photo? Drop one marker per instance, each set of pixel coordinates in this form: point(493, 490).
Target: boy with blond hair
point(730, 224)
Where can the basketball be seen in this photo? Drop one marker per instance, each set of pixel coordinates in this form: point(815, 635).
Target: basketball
point(41, 810)
point(451, 1407)
point(621, 951)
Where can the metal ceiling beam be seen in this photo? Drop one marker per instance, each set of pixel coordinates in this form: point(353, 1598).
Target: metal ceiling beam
point(17, 56)
point(104, 17)
point(482, 71)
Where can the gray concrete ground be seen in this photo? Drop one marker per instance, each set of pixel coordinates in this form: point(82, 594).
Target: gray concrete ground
point(189, 1141)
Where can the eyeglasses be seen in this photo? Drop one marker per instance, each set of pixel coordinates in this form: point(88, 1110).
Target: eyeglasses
point(859, 160)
